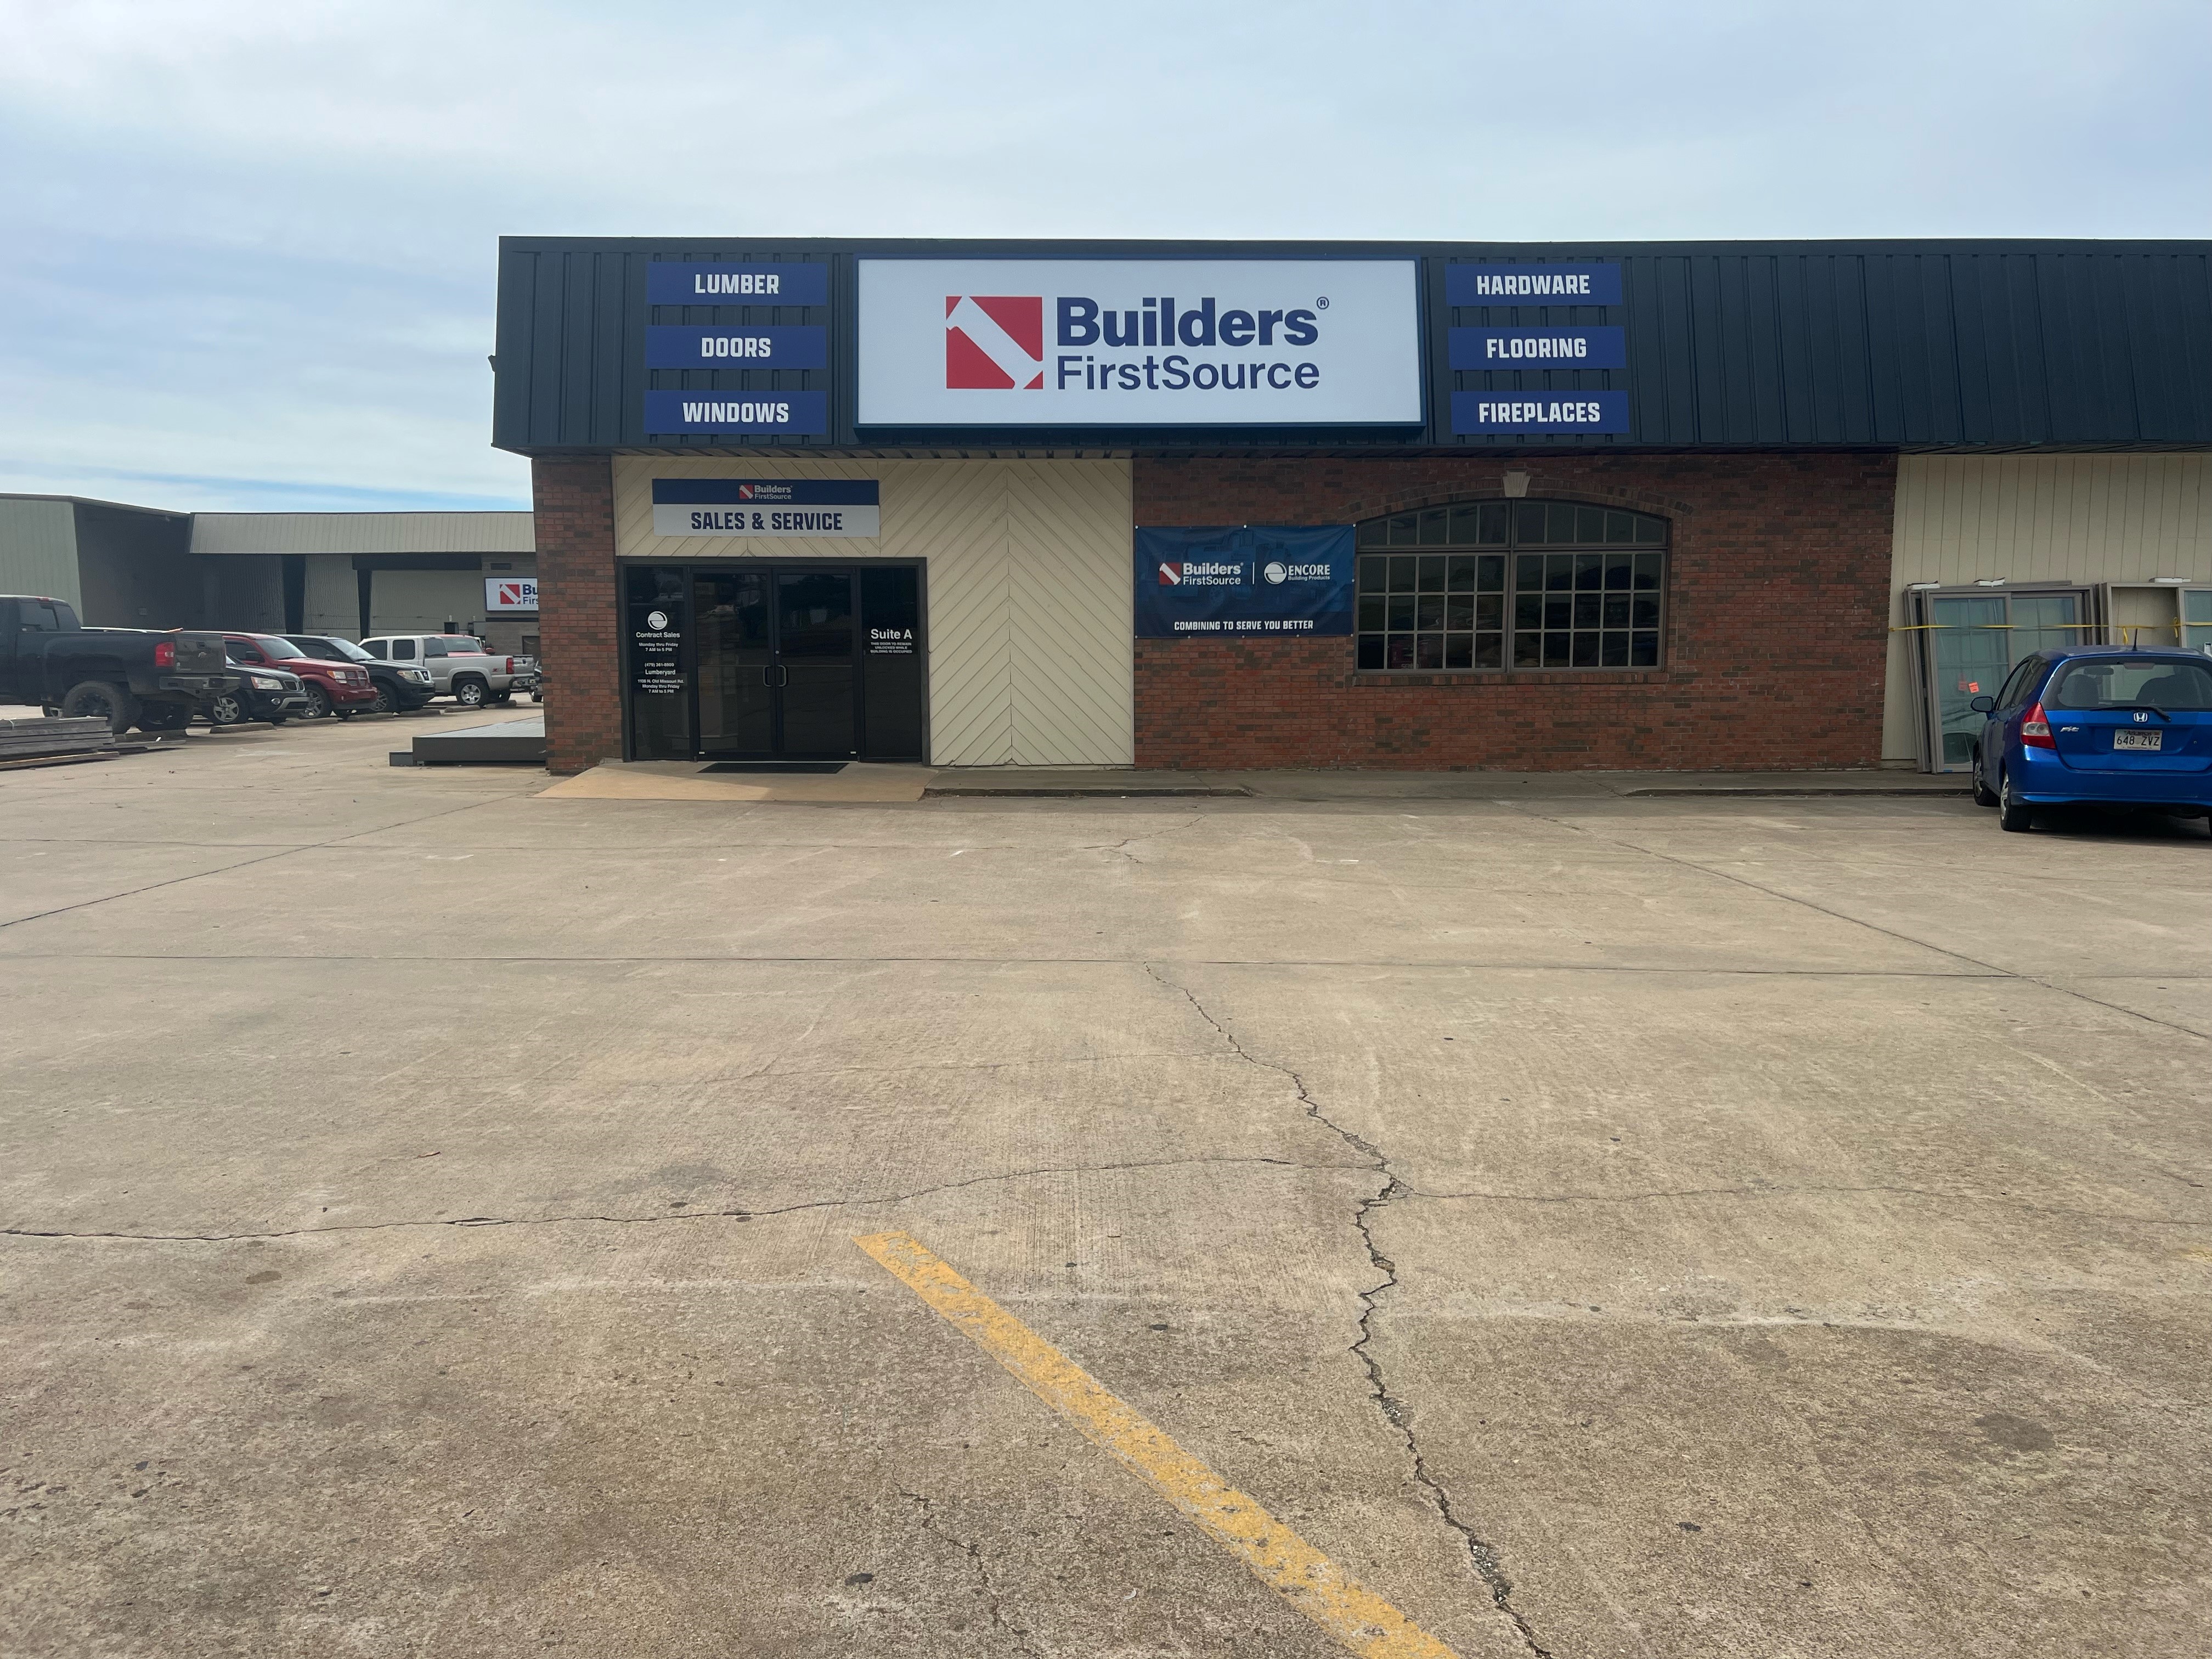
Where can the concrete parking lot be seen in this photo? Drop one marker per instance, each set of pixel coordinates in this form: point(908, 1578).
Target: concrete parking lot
point(1601, 1226)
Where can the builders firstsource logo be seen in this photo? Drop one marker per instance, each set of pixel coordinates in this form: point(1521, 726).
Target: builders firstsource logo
point(994, 343)
point(1138, 342)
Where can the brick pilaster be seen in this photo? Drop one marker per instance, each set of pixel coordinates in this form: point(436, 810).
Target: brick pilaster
point(578, 612)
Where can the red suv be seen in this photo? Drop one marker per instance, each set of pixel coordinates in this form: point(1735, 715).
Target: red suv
point(333, 687)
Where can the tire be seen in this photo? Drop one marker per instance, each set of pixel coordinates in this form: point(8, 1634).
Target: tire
point(165, 716)
point(319, 704)
point(228, 708)
point(1984, 795)
point(2013, 813)
point(470, 692)
point(104, 700)
point(386, 703)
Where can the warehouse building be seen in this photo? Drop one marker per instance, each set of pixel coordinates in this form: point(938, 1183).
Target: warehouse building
point(353, 574)
point(1699, 506)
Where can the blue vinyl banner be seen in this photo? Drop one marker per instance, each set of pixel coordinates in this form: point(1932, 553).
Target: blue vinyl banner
point(1540, 412)
point(1539, 348)
point(725, 345)
point(1481, 283)
point(1244, 579)
point(802, 414)
point(673, 282)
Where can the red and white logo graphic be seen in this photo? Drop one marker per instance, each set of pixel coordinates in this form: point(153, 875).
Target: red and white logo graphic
point(994, 342)
point(1170, 572)
point(510, 593)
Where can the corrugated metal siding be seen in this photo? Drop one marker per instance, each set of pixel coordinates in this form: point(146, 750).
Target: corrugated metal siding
point(38, 550)
point(1027, 574)
point(364, 532)
point(1911, 344)
point(2085, 519)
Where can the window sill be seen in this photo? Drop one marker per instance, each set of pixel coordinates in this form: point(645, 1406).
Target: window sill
point(1427, 677)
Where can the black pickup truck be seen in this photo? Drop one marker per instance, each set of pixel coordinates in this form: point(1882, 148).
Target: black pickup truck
point(131, 676)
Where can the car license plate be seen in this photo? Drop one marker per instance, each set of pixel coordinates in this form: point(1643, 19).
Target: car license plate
point(2138, 740)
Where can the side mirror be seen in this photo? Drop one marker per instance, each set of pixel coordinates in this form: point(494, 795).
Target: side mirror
point(1983, 705)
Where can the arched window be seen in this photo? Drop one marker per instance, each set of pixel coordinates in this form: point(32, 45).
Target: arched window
point(1511, 584)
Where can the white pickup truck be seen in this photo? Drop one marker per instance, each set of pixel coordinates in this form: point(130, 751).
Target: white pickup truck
point(460, 667)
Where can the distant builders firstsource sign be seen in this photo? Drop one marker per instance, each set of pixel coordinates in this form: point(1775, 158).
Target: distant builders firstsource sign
point(1138, 342)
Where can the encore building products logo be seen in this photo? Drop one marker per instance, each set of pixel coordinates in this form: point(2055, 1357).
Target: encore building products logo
point(994, 341)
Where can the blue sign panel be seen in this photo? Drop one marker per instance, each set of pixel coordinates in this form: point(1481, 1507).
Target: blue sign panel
point(1539, 348)
point(695, 345)
point(1540, 412)
point(671, 283)
point(803, 414)
point(1485, 284)
point(766, 492)
point(1251, 580)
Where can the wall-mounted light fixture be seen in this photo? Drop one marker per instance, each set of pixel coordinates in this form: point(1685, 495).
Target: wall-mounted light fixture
point(2172, 581)
point(1989, 581)
point(1517, 484)
point(1921, 587)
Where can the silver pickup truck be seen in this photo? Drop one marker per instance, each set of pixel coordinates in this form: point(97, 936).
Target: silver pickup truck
point(460, 667)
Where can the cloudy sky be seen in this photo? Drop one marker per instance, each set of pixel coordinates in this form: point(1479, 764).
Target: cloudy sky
point(247, 249)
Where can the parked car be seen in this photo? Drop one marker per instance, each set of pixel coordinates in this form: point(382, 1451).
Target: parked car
point(331, 687)
point(263, 692)
point(129, 676)
point(2107, 725)
point(398, 687)
point(459, 665)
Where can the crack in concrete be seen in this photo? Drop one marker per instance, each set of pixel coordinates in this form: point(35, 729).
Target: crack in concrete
point(994, 1603)
point(1482, 1555)
point(687, 1215)
point(1123, 845)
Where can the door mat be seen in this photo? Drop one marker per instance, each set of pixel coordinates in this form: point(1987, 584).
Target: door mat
point(775, 765)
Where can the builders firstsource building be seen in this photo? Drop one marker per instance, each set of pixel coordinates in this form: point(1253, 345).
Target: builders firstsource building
point(1679, 505)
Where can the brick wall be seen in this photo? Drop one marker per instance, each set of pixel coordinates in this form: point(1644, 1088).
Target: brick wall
point(1778, 617)
point(574, 501)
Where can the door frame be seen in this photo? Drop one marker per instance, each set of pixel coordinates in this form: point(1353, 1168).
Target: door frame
point(689, 655)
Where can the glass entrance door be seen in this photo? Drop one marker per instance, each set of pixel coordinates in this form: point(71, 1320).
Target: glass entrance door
point(814, 653)
point(778, 654)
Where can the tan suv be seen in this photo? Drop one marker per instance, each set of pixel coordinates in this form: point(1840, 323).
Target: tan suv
point(460, 667)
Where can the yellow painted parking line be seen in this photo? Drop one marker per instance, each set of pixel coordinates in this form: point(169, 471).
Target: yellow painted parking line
point(1277, 1556)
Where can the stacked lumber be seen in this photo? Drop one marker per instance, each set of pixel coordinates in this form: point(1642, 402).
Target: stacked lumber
point(41, 739)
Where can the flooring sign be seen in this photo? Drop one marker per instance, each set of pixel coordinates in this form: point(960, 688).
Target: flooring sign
point(1244, 579)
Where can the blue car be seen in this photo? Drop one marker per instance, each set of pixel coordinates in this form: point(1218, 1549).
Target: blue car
point(2102, 725)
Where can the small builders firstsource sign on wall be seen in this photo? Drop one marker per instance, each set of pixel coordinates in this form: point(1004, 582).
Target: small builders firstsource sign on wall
point(510, 593)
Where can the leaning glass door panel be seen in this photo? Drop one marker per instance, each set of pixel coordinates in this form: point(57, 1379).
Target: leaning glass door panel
point(1969, 656)
point(815, 640)
point(2196, 619)
point(737, 709)
point(2046, 622)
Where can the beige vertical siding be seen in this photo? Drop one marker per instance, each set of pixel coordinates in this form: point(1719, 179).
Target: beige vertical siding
point(2071, 517)
point(38, 550)
point(333, 596)
point(1027, 575)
